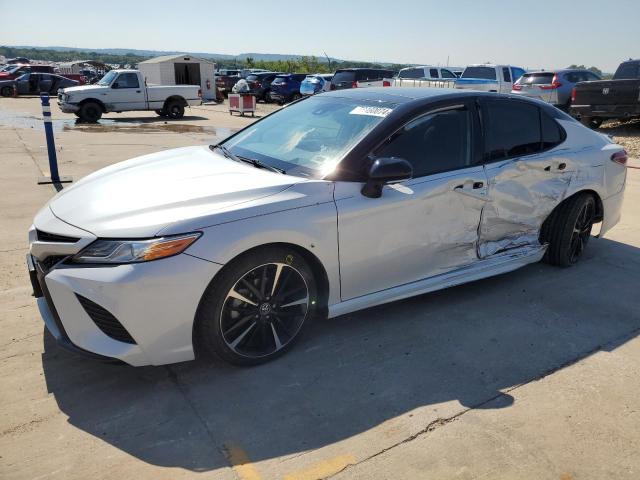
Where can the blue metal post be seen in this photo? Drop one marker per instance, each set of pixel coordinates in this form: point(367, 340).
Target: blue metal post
point(51, 146)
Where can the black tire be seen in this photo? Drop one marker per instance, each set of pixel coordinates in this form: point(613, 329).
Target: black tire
point(174, 110)
point(242, 333)
point(162, 113)
point(568, 229)
point(90, 112)
point(6, 92)
point(296, 96)
point(591, 122)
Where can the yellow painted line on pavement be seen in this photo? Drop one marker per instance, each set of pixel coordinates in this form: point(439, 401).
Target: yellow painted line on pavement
point(322, 469)
point(241, 464)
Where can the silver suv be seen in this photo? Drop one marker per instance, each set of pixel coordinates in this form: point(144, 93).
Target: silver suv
point(552, 86)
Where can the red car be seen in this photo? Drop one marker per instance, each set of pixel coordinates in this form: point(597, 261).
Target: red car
point(11, 72)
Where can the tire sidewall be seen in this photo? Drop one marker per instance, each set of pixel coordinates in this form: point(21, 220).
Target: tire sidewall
point(87, 108)
point(207, 331)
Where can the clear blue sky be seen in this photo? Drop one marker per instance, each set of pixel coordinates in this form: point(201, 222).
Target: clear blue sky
point(529, 33)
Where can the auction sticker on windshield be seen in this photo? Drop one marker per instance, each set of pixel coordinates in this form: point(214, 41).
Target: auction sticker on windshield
point(371, 111)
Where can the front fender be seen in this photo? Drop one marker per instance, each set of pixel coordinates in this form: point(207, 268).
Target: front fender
point(313, 228)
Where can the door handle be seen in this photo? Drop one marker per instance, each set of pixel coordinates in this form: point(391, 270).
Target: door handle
point(467, 189)
point(137, 91)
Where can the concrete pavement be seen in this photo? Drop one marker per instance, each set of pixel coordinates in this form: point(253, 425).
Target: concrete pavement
point(532, 374)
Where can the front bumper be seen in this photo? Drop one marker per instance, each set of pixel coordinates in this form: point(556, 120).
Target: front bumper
point(155, 302)
point(68, 107)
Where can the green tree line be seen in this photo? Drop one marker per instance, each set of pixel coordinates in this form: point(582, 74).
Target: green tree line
point(303, 64)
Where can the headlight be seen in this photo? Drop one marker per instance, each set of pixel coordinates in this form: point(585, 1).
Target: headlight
point(134, 251)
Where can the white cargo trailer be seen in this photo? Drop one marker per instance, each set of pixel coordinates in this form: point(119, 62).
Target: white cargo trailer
point(180, 70)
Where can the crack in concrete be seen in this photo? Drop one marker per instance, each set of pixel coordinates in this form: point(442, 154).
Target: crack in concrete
point(441, 422)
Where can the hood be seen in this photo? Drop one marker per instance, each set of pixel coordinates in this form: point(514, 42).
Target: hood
point(139, 197)
point(84, 88)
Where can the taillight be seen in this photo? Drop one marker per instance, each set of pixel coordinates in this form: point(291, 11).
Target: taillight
point(620, 157)
point(354, 84)
point(517, 87)
point(386, 83)
point(573, 94)
point(554, 84)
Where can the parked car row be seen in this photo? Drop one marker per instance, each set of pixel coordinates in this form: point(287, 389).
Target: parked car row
point(580, 92)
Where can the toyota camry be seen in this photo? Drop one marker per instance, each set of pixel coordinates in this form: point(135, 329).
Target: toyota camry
point(338, 202)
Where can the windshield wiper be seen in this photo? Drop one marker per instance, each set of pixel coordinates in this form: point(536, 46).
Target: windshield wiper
point(259, 164)
point(256, 163)
point(225, 151)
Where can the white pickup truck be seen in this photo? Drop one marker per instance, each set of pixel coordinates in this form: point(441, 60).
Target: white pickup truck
point(489, 78)
point(126, 90)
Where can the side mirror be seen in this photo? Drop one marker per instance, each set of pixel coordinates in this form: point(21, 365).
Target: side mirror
point(385, 171)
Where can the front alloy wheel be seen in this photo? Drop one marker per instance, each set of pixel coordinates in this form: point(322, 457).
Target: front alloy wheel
point(264, 310)
point(256, 307)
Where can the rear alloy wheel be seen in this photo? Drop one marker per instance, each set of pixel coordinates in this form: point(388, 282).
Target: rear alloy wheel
point(174, 110)
point(257, 309)
point(568, 230)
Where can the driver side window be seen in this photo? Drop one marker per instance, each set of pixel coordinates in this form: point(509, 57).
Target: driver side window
point(127, 80)
point(433, 143)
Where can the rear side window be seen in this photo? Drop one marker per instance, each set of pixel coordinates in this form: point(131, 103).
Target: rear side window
point(433, 73)
point(447, 74)
point(486, 73)
point(511, 129)
point(433, 143)
point(506, 74)
point(552, 133)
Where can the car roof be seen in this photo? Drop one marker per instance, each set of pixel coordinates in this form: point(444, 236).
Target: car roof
point(399, 95)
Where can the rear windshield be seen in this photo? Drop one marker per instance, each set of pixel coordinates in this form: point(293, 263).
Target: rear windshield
point(252, 78)
point(487, 73)
point(344, 76)
point(412, 73)
point(537, 78)
point(627, 71)
point(279, 80)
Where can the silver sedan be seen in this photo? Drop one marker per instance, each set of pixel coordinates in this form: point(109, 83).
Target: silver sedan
point(338, 202)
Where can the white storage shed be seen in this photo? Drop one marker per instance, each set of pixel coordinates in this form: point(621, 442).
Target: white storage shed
point(181, 70)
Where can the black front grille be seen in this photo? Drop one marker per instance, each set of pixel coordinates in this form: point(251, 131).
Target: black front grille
point(54, 238)
point(49, 262)
point(105, 321)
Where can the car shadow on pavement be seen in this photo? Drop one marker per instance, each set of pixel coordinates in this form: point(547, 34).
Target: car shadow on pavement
point(348, 375)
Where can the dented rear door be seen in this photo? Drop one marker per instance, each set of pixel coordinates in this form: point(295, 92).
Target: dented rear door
point(528, 173)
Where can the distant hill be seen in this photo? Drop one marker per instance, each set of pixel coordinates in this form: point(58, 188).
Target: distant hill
point(156, 53)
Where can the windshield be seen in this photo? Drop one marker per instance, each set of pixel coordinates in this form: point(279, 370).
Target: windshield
point(108, 78)
point(310, 137)
point(487, 73)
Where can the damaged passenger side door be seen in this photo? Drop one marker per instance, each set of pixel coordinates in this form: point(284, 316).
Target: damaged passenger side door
point(528, 173)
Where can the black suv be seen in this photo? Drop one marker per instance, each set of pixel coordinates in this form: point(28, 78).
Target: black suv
point(359, 77)
point(260, 84)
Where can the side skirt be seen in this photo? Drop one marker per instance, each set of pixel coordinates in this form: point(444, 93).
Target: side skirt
point(494, 265)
